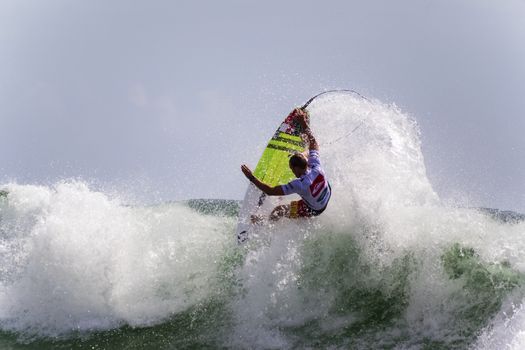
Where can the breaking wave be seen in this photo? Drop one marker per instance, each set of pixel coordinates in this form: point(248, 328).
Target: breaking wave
point(387, 265)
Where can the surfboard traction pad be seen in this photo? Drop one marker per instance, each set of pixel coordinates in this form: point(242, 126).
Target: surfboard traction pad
point(272, 167)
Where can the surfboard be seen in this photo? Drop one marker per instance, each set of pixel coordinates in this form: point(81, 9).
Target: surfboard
point(273, 170)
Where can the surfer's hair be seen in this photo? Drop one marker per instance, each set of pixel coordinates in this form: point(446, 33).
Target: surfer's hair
point(297, 160)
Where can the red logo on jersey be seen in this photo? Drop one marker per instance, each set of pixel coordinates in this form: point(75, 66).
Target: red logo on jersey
point(317, 185)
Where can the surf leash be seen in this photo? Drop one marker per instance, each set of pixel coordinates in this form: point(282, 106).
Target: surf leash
point(330, 91)
point(361, 123)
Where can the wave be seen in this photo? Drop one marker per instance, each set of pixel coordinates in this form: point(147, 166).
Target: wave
point(387, 265)
point(77, 260)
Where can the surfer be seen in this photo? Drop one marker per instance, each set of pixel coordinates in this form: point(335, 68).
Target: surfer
point(311, 183)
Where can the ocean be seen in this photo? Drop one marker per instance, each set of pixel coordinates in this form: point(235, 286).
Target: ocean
point(389, 265)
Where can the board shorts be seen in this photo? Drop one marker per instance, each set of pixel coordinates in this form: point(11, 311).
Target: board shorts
point(299, 209)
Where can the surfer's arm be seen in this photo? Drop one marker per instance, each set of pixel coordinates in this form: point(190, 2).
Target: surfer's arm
point(312, 142)
point(302, 118)
point(269, 190)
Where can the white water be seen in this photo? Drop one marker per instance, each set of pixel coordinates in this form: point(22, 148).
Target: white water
point(73, 258)
point(76, 259)
point(381, 198)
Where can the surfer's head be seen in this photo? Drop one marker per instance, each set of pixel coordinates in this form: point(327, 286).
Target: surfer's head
point(298, 163)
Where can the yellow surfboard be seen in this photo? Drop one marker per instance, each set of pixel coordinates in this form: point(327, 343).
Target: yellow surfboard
point(271, 169)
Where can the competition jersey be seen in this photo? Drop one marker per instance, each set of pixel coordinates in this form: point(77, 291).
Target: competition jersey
point(312, 186)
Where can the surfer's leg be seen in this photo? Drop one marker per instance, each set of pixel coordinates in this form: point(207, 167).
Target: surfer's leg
point(280, 211)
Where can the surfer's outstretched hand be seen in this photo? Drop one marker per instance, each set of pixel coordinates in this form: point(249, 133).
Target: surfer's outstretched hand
point(247, 172)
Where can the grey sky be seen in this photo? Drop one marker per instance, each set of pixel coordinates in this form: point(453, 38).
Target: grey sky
point(160, 98)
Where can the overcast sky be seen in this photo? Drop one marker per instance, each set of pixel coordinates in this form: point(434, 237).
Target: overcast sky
point(165, 99)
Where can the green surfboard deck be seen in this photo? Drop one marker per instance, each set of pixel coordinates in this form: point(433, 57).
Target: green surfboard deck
point(273, 168)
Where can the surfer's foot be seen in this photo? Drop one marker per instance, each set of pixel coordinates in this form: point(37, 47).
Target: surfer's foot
point(242, 237)
point(256, 219)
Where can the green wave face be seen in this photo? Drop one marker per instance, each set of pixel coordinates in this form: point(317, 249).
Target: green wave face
point(349, 300)
point(361, 304)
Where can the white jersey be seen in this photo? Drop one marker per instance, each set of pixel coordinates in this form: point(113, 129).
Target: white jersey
point(312, 186)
